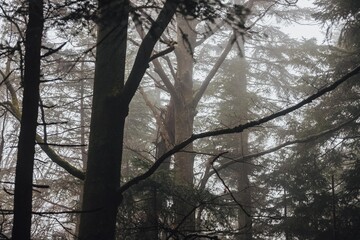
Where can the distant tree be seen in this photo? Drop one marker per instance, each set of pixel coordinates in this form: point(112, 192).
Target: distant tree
point(166, 185)
point(317, 176)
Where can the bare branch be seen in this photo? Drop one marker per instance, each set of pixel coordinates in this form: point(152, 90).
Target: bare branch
point(52, 51)
point(169, 86)
point(236, 129)
point(146, 48)
point(47, 149)
point(227, 188)
point(274, 149)
point(214, 70)
point(162, 53)
point(159, 120)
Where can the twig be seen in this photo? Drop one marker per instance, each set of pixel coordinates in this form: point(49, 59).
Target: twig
point(236, 129)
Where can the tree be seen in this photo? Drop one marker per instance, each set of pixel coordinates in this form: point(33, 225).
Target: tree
point(107, 185)
point(315, 176)
point(100, 198)
point(26, 147)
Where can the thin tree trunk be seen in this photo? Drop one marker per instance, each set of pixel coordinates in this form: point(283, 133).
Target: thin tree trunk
point(157, 201)
point(2, 139)
point(287, 235)
point(82, 141)
point(82, 122)
point(26, 147)
point(333, 207)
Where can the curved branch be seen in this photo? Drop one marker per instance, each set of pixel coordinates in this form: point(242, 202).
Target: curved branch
point(169, 86)
point(47, 149)
point(274, 149)
point(236, 129)
point(146, 48)
point(157, 66)
point(227, 187)
point(58, 160)
point(159, 120)
point(214, 70)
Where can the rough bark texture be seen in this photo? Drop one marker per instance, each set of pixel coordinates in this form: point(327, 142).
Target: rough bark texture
point(26, 146)
point(107, 125)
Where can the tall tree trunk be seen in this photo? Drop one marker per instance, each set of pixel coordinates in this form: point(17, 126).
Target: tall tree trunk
point(26, 146)
point(82, 140)
point(111, 101)
point(243, 171)
point(184, 119)
point(107, 124)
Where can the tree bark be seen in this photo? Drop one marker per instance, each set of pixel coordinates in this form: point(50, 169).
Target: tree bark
point(26, 146)
point(244, 170)
point(111, 99)
point(102, 179)
point(184, 119)
point(82, 141)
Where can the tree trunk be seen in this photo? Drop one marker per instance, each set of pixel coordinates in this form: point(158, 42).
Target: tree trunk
point(26, 146)
point(287, 234)
point(82, 141)
point(2, 139)
point(244, 192)
point(333, 196)
point(107, 125)
point(157, 200)
point(243, 171)
point(184, 118)
point(111, 101)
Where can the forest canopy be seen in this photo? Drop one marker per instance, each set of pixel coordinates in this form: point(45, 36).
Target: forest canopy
point(179, 119)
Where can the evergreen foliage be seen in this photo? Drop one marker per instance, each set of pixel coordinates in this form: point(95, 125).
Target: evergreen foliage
point(216, 64)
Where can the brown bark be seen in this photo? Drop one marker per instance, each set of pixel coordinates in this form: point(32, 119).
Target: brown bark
point(26, 146)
